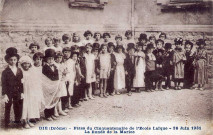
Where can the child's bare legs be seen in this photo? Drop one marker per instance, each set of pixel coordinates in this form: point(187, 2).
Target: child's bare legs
point(28, 124)
point(104, 87)
point(56, 111)
point(60, 111)
point(179, 87)
point(176, 85)
point(160, 86)
point(90, 91)
point(86, 94)
point(101, 87)
point(70, 106)
point(156, 85)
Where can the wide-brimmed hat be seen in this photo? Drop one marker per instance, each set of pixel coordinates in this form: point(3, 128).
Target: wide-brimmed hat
point(49, 53)
point(11, 52)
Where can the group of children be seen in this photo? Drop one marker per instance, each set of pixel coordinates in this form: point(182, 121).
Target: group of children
point(60, 76)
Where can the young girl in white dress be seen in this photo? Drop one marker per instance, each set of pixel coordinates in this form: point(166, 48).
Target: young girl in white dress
point(31, 100)
point(140, 67)
point(105, 67)
point(90, 71)
point(62, 86)
point(119, 77)
point(37, 58)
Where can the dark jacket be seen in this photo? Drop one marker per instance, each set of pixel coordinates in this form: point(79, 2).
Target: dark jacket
point(48, 72)
point(113, 61)
point(159, 56)
point(129, 65)
point(11, 84)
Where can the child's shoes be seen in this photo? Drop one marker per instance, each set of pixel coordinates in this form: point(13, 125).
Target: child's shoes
point(201, 89)
point(49, 119)
point(92, 98)
point(101, 95)
point(31, 124)
point(70, 107)
point(26, 126)
point(63, 113)
point(105, 95)
point(54, 118)
point(118, 93)
point(66, 110)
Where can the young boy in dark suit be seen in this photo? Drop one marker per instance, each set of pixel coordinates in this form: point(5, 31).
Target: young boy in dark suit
point(110, 81)
point(50, 71)
point(189, 66)
point(12, 87)
point(129, 65)
point(168, 65)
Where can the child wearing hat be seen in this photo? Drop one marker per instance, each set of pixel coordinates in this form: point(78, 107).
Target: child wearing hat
point(51, 74)
point(119, 76)
point(129, 65)
point(49, 44)
point(98, 38)
point(189, 67)
point(77, 87)
point(168, 65)
point(62, 86)
point(31, 101)
point(12, 87)
point(140, 67)
point(201, 63)
point(66, 41)
point(151, 75)
point(179, 59)
point(56, 42)
point(110, 81)
point(88, 38)
point(143, 41)
point(82, 64)
point(104, 67)
point(34, 47)
point(158, 52)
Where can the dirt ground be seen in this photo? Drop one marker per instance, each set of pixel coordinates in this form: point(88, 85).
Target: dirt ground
point(161, 108)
